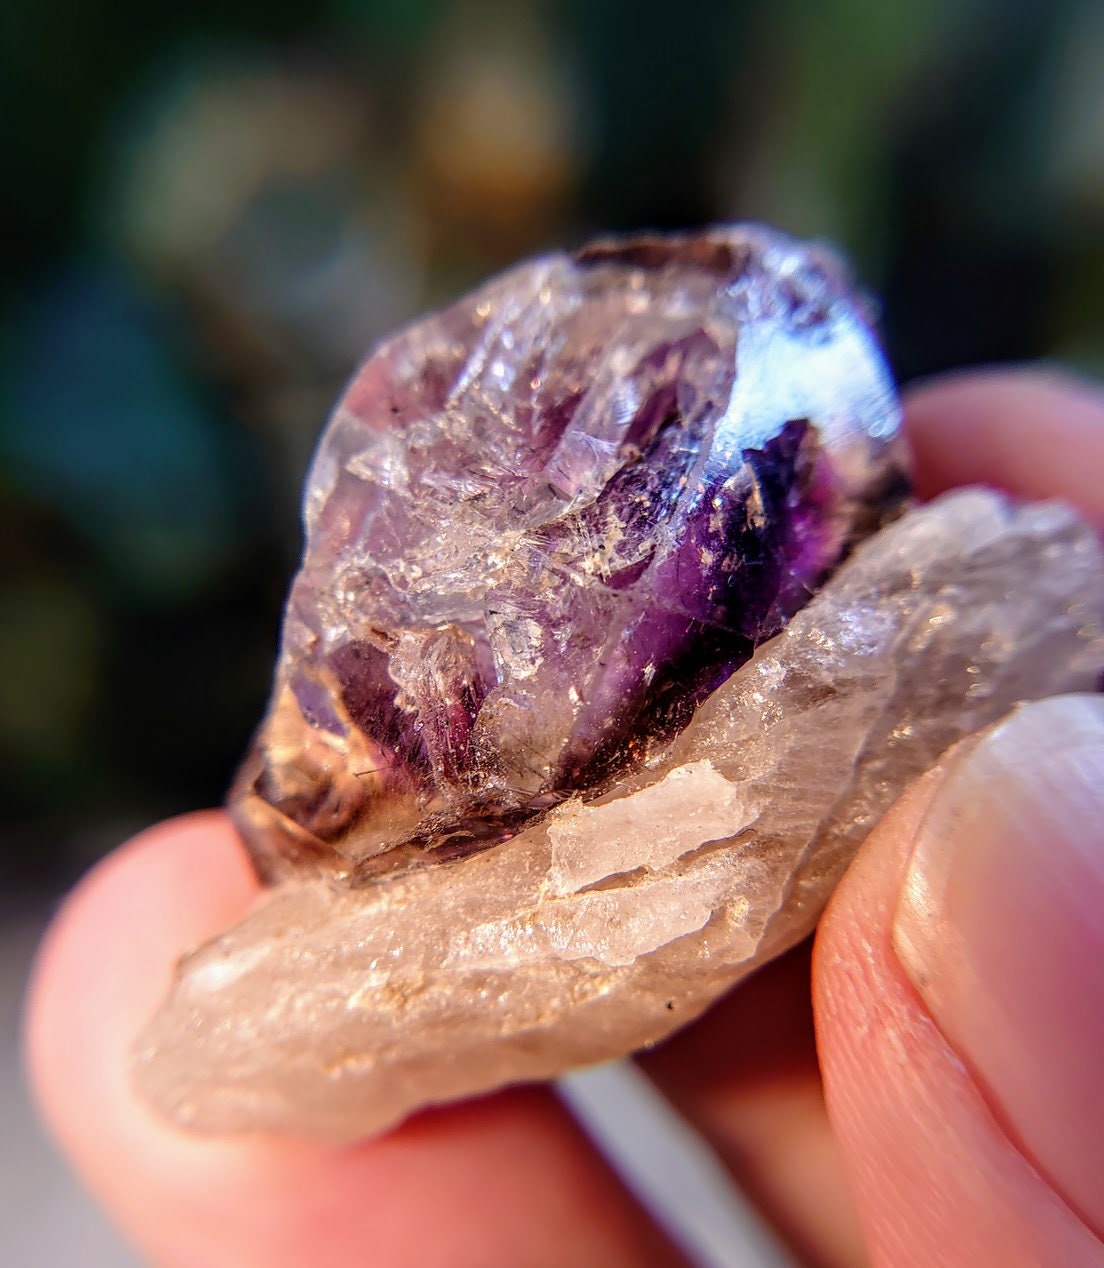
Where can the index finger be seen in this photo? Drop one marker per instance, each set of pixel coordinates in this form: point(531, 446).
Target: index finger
point(1036, 432)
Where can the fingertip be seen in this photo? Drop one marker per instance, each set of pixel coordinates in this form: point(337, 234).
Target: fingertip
point(1034, 431)
point(935, 1176)
point(168, 889)
point(102, 968)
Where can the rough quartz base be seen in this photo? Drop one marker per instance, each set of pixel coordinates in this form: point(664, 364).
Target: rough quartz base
point(609, 923)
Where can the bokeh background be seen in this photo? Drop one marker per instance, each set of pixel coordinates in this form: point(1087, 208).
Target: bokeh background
point(210, 210)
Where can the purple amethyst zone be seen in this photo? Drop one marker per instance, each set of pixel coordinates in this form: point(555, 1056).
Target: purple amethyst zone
point(544, 523)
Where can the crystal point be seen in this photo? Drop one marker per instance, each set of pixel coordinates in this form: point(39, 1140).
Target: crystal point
point(544, 523)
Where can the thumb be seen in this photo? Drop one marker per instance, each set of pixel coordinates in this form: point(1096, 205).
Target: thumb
point(959, 989)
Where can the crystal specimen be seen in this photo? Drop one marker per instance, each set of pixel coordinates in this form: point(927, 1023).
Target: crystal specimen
point(590, 684)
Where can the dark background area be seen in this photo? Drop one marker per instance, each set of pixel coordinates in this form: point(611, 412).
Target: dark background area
point(211, 210)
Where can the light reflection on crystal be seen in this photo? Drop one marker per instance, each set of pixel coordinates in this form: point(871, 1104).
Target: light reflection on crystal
point(546, 522)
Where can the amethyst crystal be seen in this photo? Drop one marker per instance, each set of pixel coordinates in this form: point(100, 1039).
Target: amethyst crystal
point(545, 523)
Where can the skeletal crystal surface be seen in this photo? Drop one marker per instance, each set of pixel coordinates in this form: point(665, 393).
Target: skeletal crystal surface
point(545, 523)
point(609, 646)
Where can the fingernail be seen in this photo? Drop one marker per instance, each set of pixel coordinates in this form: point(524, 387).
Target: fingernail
point(1000, 926)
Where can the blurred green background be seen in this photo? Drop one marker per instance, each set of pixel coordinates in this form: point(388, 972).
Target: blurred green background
point(211, 210)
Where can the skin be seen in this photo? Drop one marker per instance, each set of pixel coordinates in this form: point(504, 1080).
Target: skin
point(843, 1110)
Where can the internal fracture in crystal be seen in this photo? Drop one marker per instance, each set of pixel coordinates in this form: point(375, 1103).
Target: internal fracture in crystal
point(546, 523)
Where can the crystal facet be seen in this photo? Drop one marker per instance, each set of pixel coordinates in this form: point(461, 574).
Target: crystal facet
point(545, 523)
point(609, 646)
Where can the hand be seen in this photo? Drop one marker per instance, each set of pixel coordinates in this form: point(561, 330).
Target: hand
point(958, 987)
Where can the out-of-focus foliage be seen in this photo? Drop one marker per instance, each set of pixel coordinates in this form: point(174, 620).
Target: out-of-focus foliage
point(211, 210)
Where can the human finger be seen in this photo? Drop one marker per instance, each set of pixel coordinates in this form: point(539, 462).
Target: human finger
point(960, 1004)
point(1035, 432)
point(508, 1179)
